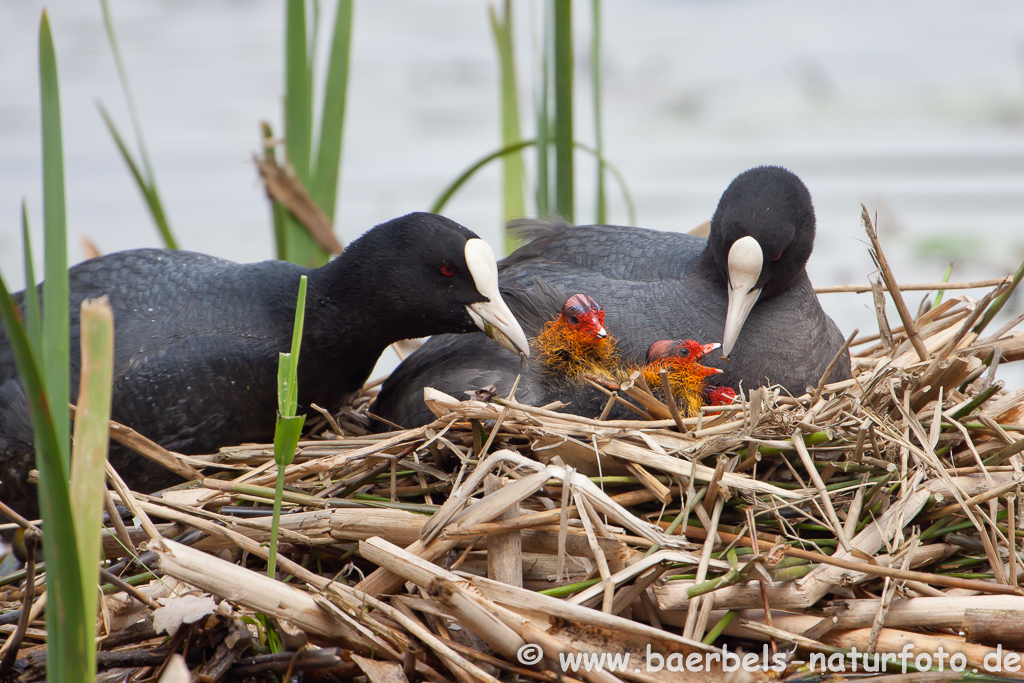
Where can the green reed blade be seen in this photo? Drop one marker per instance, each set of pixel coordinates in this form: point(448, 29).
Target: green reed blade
point(543, 189)
point(289, 426)
point(453, 187)
point(55, 349)
point(146, 185)
point(30, 300)
point(71, 632)
point(513, 172)
point(465, 176)
point(146, 180)
point(69, 637)
point(627, 196)
point(563, 81)
point(290, 395)
point(1000, 301)
point(601, 208)
point(945, 278)
point(324, 187)
point(298, 116)
point(301, 248)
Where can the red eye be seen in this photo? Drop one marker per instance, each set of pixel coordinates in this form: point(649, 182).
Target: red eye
point(448, 270)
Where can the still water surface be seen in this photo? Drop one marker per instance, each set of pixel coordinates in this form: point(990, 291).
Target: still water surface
point(914, 108)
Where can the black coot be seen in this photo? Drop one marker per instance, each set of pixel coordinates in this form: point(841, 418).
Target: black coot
point(456, 364)
point(197, 338)
point(745, 286)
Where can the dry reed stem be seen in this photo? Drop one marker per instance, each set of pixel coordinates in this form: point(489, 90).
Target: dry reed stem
point(918, 287)
point(890, 283)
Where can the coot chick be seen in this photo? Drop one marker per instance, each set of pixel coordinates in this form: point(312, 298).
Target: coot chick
point(568, 338)
point(687, 377)
point(745, 285)
point(197, 337)
point(576, 343)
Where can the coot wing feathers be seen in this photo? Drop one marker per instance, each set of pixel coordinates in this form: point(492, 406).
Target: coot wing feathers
point(615, 251)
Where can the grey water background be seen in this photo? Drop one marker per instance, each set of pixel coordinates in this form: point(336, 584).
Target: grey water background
point(914, 108)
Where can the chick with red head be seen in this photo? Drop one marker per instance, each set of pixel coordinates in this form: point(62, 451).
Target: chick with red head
point(576, 342)
point(687, 377)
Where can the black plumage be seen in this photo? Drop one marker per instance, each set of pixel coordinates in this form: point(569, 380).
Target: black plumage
point(197, 338)
point(657, 285)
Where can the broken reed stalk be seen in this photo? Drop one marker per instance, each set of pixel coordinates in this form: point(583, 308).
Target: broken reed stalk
point(832, 366)
point(916, 287)
point(890, 282)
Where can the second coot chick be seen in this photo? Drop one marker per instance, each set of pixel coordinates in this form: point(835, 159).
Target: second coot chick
point(197, 338)
point(687, 377)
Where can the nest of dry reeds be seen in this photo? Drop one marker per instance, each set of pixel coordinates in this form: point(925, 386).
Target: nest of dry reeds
point(877, 515)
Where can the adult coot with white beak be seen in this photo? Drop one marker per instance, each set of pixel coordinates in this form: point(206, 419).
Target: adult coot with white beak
point(197, 338)
point(746, 285)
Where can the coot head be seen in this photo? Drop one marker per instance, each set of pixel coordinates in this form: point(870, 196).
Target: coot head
point(444, 273)
point(762, 234)
point(585, 315)
point(686, 376)
point(681, 352)
point(576, 342)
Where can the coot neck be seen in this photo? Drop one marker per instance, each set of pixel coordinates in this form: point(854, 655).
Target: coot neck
point(346, 311)
point(343, 323)
point(707, 268)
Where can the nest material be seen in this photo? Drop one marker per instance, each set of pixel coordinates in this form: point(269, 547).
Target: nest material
point(868, 514)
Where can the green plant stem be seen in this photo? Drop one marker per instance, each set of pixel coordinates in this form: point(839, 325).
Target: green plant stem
point(463, 177)
point(601, 210)
point(945, 278)
point(569, 589)
point(513, 173)
point(298, 117)
point(563, 83)
point(277, 212)
point(298, 129)
point(454, 186)
point(276, 524)
point(717, 629)
point(289, 425)
point(543, 189)
point(1000, 301)
point(324, 183)
point(56, 293)
point(146, 185)
point(30, 300)
point(978, 400)
point(144, 178)
point(71, 648)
